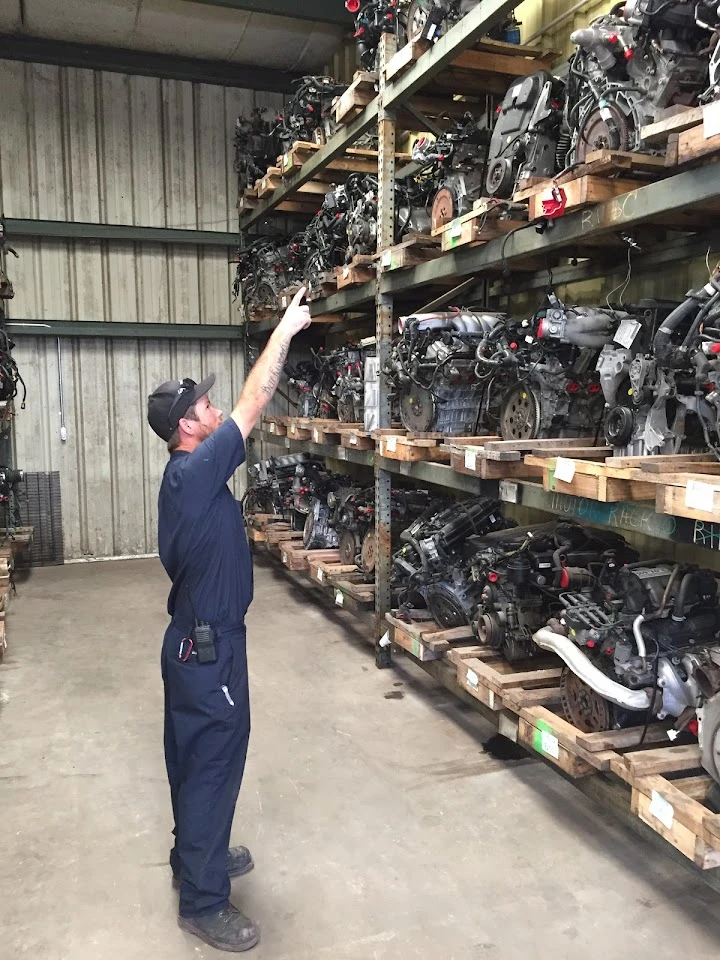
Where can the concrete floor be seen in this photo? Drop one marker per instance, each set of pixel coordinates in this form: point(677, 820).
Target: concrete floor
point(380, 828)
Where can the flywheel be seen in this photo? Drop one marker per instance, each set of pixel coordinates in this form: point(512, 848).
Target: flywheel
point(443, 208)
point(520, 416)
point(583, 707)
point(367, 553)
point(348, 547)
point(599, 134)
point(417, 409)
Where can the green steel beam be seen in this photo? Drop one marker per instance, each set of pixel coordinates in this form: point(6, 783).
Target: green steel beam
point(122, 330)
point(74, 230)
point(144, 64)
point(462, 36)
point(345, 138)
point(672, 251)
point(318, 11)
point(693, 188)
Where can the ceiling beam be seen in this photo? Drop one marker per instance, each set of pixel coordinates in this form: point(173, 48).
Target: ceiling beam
point(74, 230)
point(141, 63)
point(318, 11)
point(123, 330)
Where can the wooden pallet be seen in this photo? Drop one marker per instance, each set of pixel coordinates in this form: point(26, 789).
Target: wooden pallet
point(360, 270)
point(414, 250)
point(689, 136)
point(489, 68)
point(332, 433)
point(411, 447)
point(326, 572)
point(358, 95)
point(295, 557)
point(354, 596)
point(478, 226)
point(354, 160)
point(279, 532)
point(425, 640)
point(484, 459)
point(357, 440)
point(275, 425)
point(258, 525)
point(604, 481)
point(324, 287)
point(604, 175)
point(308, 428)
point(249, 200)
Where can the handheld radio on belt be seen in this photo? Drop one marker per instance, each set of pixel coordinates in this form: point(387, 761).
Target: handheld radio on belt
point(203, 636)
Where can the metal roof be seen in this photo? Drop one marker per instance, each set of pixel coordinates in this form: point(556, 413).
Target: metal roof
point(177, 27)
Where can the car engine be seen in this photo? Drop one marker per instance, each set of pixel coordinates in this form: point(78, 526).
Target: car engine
point(264, 268)
point(432, 371)
point(510, 582)
point(270, 484)
point(454, 163)
point(659, 378)
point(632, 645)
point(434, 543)
point(308, 114)
point(257, 146)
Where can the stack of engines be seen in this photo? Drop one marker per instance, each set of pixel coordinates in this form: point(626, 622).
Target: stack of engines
point(468, 374)
point(308, 114)
point(270, 485)
point(330, 384)
point(412, 21)
point(642, 58)
point(257, 146)
point(264, 268)
point(353, 517)
point(660, 379)
point(640, 644)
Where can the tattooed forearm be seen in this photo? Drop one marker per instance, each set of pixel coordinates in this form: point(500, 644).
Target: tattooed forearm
point(276, 363)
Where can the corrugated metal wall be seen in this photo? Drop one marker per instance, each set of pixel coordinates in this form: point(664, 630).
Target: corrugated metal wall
point(105, 147)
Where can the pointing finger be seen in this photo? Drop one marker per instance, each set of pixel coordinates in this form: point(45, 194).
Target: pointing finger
point(298, 297)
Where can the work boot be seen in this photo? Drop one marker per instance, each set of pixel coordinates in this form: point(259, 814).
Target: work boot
point(226, 930)
point(239, 862)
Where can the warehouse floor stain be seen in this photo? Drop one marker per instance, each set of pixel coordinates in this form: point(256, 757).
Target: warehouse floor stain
point(380, 828)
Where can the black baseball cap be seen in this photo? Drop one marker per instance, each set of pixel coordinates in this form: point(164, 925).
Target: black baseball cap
point(171, 401)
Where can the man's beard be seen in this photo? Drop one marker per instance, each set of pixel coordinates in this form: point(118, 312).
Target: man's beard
point(205, 432)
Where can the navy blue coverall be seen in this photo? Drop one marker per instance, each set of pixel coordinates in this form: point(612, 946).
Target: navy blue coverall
point(204, 550)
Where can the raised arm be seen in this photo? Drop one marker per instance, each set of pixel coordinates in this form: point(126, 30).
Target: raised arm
point(264, 377)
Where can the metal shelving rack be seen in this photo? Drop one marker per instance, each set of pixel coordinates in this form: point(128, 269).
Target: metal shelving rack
point(687, 191)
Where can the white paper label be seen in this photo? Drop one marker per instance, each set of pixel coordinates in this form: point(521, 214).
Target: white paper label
point(272, 428)
point(626, 332)
point(431, 30)
point(391, 444)
point(472, 679)
point(284, 558)
point(508, 491)
point(491, 699)
point(320, 575)
point(339, 598)
point(456, 229)
point(470, 459)
point(316, 436)
point(353, 439)
point(346, 272)
point(711, 119)
point(661, 809)
point(564, 469)
point(699, 495)
point(387, 258)
point(549, 744)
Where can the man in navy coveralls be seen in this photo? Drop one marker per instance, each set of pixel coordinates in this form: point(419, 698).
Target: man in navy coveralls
point(204, 550)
